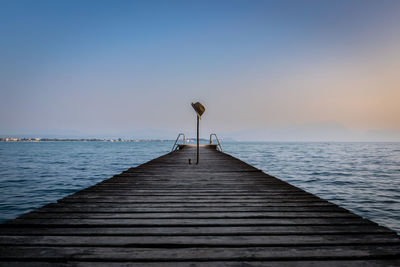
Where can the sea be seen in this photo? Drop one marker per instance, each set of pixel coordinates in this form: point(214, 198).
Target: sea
point(362, 177)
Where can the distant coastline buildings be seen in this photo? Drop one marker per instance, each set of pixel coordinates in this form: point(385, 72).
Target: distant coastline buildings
point(37, 139)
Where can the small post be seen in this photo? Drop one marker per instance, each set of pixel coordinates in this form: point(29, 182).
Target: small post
point(199, 108)
point(197, 162)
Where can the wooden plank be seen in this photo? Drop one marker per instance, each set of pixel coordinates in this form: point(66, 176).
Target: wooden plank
point(188, 215)
point(197, 231)
point(196, 205)
point(130, 201)
point(200, 241)
point(192, 222)
point(192, 194)
point(183, 193)
point(297, 263)
point(140, 209)
point(191, 198)
point(199, 253)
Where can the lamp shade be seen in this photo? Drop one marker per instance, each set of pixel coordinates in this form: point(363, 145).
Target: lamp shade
point(199, 108)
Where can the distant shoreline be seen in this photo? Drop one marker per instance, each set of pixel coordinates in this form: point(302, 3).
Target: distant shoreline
point(12, 139)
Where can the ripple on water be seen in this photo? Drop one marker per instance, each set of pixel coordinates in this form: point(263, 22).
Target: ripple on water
point(358, 176)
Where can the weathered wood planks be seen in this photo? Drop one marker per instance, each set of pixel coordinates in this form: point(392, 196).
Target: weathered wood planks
point(222, 212)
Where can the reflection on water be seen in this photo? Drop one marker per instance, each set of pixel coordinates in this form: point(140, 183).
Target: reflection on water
point(362, 177)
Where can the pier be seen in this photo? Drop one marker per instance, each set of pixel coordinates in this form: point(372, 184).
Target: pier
point(220, 212)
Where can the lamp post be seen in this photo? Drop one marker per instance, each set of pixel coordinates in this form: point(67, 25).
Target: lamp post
point(199, 108)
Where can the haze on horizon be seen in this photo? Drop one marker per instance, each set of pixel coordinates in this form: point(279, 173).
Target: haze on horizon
point(265, 70)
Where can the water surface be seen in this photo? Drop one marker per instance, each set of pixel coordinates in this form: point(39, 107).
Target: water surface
point(362, 177)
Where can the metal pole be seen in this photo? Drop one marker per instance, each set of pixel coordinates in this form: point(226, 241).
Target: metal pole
point(197, 140)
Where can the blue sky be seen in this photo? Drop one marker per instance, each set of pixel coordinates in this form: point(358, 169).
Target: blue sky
point(265, 70)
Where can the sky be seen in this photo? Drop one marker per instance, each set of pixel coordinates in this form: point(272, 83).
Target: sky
point(265, 70)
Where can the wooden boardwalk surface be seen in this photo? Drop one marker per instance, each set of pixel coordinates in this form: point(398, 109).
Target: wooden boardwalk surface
point(222, 212)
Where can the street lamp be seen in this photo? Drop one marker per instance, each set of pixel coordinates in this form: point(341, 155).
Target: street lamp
point(199, 108)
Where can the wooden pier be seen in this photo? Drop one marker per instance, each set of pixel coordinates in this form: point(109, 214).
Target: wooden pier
point(222, 212)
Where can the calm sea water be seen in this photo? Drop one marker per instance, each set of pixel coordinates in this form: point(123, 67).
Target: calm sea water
point(362, 177)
